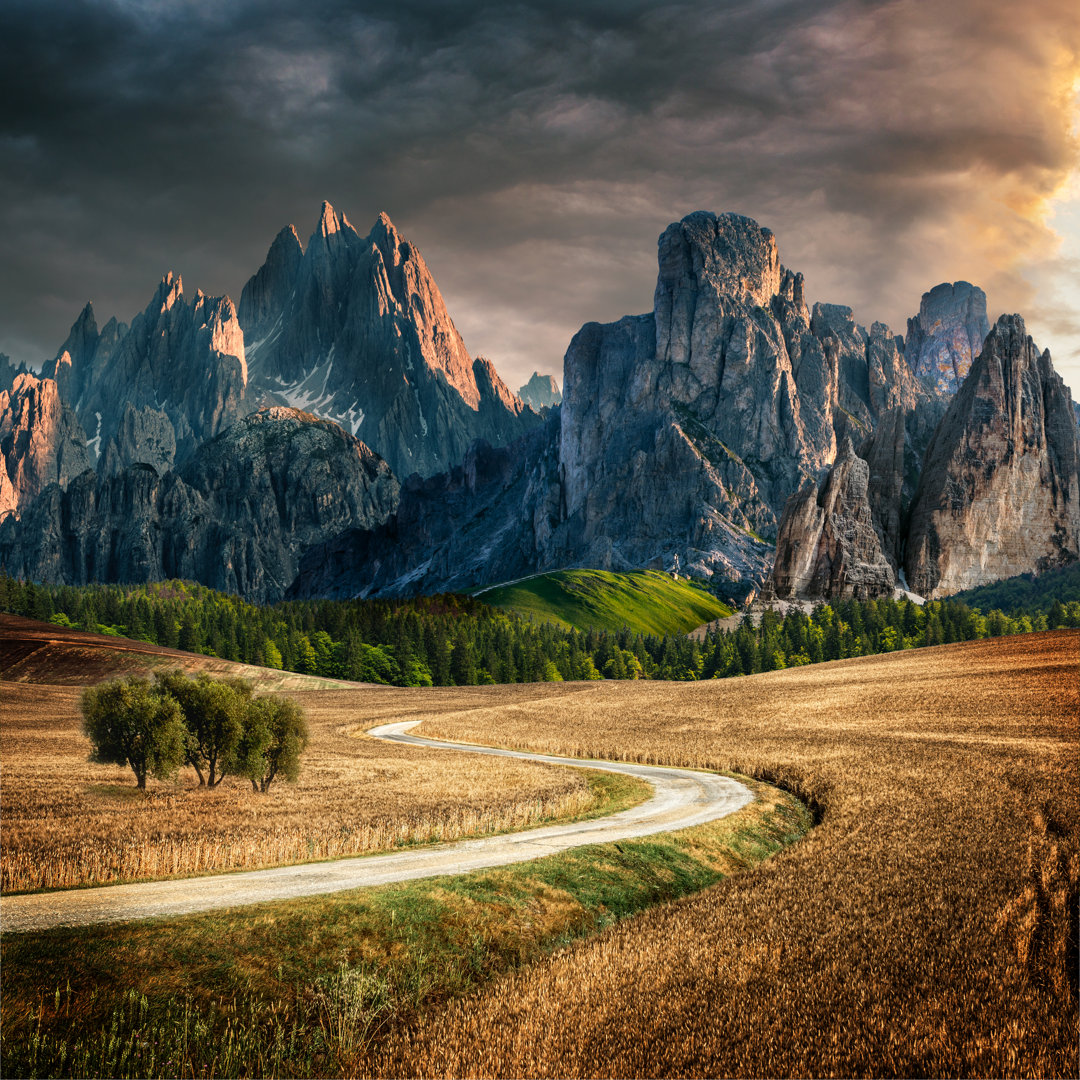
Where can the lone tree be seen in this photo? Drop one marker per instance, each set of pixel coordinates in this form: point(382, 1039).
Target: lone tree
point(214, 713)
point(131, 722)
point(278, 725)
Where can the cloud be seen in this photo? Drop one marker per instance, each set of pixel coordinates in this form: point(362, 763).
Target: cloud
point(532, 151)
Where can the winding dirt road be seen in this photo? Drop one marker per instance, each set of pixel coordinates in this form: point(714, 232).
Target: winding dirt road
point(682, 798)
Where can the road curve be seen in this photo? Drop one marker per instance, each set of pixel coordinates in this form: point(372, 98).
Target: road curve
point(683, 797)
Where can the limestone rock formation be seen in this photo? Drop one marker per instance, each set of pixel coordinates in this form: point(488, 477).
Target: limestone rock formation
point(9, 372)
point(827, 544)
point(355, 329)
point(1000, 487)
point(235, 517)
point(485, 520)
point(40, 440)
point(143, 435)
point(681, 432)
point(947, 334)
point(541, 392)
point(185, 359)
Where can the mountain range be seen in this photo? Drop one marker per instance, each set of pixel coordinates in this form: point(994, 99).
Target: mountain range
point(733, 431)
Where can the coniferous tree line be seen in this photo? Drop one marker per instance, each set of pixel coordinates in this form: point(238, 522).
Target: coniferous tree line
point(457, 640)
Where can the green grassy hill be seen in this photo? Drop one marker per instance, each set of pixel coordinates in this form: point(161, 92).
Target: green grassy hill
point(647, 601)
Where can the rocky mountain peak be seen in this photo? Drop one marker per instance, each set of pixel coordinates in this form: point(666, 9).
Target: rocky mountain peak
point(41, 441)
point(947, 334)
point(1000, 489)
point(357, 330)
point(726, 254)
point(169, 291)
point(265, 294)
point(541, 392)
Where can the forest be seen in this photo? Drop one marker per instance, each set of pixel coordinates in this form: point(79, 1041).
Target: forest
point(456, 640)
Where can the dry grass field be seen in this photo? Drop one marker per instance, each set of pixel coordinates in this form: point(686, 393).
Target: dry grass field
point(68, 823)
point(927, 927)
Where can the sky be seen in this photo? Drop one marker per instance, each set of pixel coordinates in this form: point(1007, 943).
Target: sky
point(535, 151)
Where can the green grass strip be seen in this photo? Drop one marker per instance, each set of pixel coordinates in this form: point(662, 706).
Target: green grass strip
point(303, 987)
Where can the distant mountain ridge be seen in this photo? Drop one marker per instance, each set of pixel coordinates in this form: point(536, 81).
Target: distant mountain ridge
point(681, 433)
point(732, 428)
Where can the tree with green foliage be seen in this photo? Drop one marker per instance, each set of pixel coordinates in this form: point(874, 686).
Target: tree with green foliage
point(214, 713)
point(131, 722)
point(277, 734)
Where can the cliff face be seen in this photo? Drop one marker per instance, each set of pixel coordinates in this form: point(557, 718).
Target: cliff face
point(355, 329)
point(236, 516)
point(488, 519)
point(40, 440)
point(997, 495)
point(681, 432)
point(182, 359)
point(829, 546)
point(1000, 489)
point(947, 334)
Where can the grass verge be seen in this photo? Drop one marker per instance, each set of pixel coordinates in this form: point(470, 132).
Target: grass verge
point(306, 988)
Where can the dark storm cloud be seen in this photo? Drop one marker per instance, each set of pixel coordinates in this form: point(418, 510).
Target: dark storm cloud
point(533, 151)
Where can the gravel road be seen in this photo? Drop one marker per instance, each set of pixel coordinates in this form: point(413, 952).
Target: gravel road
point(682, 797)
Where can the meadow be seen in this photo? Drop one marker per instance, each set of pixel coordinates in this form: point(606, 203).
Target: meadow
point(69, 823)
point(926, 926)
point(645, 601)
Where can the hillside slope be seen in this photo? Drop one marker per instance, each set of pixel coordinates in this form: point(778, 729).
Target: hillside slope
point(645, 601)
point(39, 652)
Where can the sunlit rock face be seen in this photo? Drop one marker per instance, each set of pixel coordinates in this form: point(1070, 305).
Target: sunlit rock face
point(235, 516)
point(947, 334)
point(181, 358)
point(40, 440)
point(827, 543)
point(541, 392)
point(1000, 488)
point(354, 328)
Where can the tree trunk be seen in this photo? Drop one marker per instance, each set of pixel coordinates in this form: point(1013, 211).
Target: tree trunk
point(198, 772)
point(140, 780)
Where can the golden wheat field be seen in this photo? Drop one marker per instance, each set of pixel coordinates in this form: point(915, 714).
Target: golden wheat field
point(67, 822)
point(927, 926)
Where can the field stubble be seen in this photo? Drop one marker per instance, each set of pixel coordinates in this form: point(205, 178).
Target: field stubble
point(69, 823)
point(928, 926)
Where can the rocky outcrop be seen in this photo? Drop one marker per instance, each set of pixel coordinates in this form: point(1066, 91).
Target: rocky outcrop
point(41, 441)
point(947, 334)
point(488, 519)
point(235, 517)
point(1000, 487)
point(184, 359)
point(681, 432)
point(541, 392)
point(355, 329)
point(827, 544)
point(143, 435)
point(9, 372)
